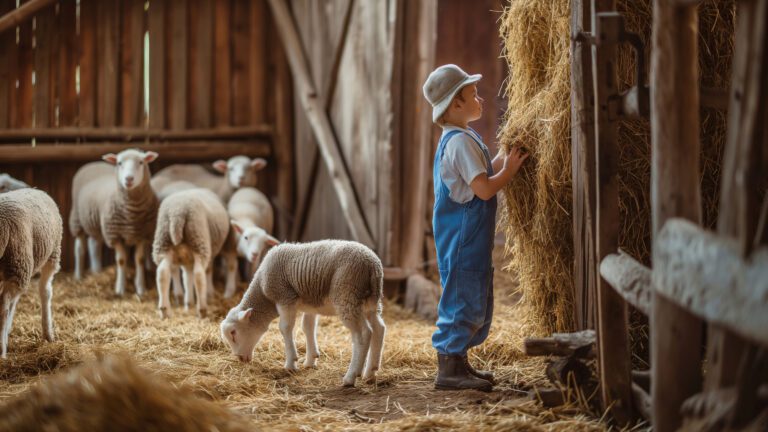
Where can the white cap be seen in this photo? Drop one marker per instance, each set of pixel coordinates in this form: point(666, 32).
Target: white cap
point(443, 84)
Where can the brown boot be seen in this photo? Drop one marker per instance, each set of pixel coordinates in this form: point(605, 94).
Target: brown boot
point(452, 374)
point(486, 375)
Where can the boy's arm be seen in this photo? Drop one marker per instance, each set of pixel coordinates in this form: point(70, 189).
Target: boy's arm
point(487, 187)
point(497, 162)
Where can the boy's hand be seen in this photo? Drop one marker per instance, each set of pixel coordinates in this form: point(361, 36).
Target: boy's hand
point(514, 160)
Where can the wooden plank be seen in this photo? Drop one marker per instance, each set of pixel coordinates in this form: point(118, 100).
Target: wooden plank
point(108, 62)
point(675, 192)
point(87, 60)
point(132, 63)
point(177, 68)
point(320, 123)
point(222, 81)
point(579, 344)
point(44, 86)
point(629, 278)
point(257, 73)
point(157, 78)
point(612, 326)
point(184, 150)
point(283, 123)
point(707, 275)
point(241, 86)
point(583, 168)
point(67, 64)
point(21, 109)
point(201, 60)
point(135, 133)
point(8, 62)
point(22, 14)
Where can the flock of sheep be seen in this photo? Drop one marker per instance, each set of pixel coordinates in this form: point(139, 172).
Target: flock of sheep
point(189, 216)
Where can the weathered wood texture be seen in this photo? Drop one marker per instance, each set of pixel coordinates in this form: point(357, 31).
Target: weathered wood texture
point(629, 278)
point(580, 344)
point(675, 192)
point(612, 313)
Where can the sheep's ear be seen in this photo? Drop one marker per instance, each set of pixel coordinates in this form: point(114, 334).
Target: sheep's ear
point(245, 315)
point(258, 164)
point(272, 241)
point(110, 158)
point(150, 156)
point(220, 166)
point(236, 226)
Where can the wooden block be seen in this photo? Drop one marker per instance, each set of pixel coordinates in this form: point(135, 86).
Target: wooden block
point(629, 278)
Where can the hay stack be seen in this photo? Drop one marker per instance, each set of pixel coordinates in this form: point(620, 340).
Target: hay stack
point(537, 217)
point(113, 394)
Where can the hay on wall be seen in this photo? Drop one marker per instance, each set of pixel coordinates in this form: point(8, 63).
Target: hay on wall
point(538, 203)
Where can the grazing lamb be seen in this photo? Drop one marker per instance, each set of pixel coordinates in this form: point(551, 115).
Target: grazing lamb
point(8, 183)
point(252, 220)
point(30, 242)
point(121, 212)
point(239, 171)
point(329, 277)
point(192, 226)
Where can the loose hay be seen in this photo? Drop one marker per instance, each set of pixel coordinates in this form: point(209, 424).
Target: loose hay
point(187, 353)
point(537, 217)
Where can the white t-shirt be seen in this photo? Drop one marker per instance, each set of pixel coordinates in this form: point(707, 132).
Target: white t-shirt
point(462, 161)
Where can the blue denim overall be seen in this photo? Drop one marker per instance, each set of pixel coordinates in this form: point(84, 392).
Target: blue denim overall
point(464, 239)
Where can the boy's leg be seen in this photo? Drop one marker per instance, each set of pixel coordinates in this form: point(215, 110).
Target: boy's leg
point(482, 335)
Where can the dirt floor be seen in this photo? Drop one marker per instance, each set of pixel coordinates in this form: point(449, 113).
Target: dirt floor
point(187, 352)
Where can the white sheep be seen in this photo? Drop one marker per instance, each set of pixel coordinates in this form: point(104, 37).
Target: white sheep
point(252, 221)
point(192, 226)
point(30, 242)
point(122, 211)
point(328, 277)
point(8, 183)
point(89, 178)
point(239, 171)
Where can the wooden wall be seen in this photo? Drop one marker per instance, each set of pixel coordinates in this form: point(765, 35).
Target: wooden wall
point(217, 82)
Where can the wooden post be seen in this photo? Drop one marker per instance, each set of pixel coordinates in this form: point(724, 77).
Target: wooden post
point(583, 167)
point(675, 192)
point(612, 315)
point(17, 16)
point(87, 60)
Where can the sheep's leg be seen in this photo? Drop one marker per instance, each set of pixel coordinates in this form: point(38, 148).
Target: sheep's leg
point(209, 280)
point(178, 289)
point(231, 285)
point(189, 284)
point(287, 321)
point(200, 288)
point(140, 278)
point(121, 258)
point(377, 344)
point(7, 309)
point(309, 324)
point(94, 253)
point(361, 338)
point(45, 287)
point(79, 257)
point(163, 286)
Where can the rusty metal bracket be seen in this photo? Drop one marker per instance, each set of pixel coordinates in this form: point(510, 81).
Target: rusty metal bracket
point(634, 103)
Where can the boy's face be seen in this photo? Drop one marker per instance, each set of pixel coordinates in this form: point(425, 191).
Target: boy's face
point(470, 105)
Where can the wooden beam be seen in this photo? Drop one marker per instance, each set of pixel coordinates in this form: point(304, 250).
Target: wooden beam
point(22, 13)
point(134, 133)
point(706, 274)
point(612, 326)
point(320, 122)
point(629, 278)
point(675, 192)
point(580, 344)
point(177, 151)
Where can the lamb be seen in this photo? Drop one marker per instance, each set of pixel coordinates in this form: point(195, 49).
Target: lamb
point(30, 242)
point(90, 177)
point(191, 229)
point(328, 277)
point(8, 183)
point(239, 171)
point(121, 212)
point(252, 220)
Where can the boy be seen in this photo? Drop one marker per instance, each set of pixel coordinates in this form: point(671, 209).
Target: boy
point(466, 181)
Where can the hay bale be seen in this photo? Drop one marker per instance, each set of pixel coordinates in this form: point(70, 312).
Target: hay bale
point(113, 394)
point(537, 217)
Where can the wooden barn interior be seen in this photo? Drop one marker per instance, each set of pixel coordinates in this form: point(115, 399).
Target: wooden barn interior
point(329, 93)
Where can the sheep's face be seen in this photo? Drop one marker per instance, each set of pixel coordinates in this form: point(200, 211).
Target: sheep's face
point(242, 333)
point(131, 166)
point(252, 241)
point(8, 183)
point(240, 170)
